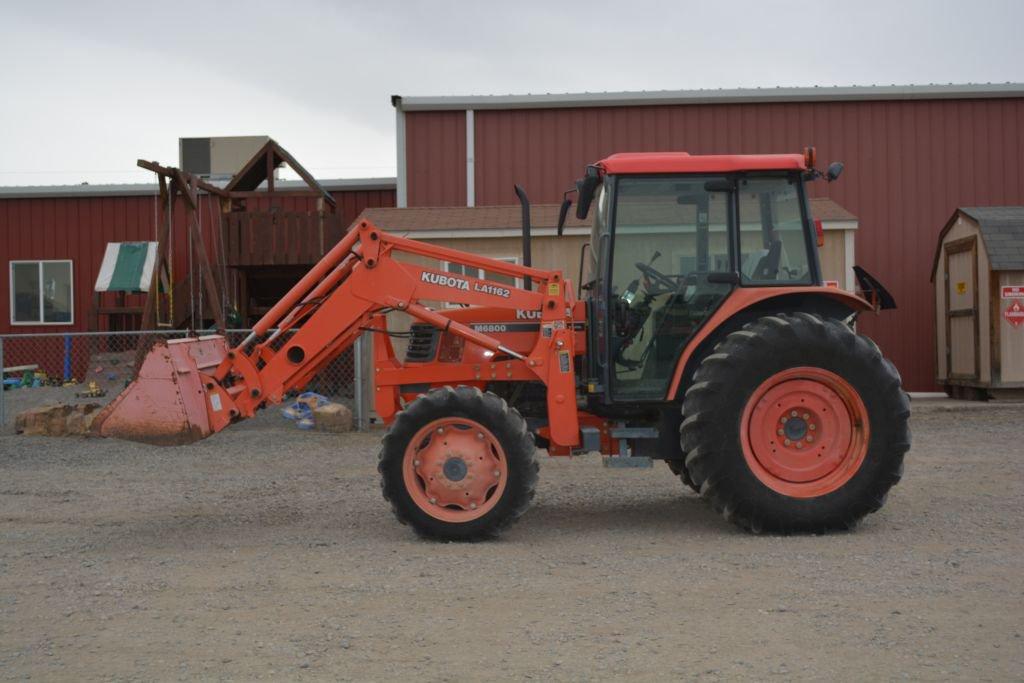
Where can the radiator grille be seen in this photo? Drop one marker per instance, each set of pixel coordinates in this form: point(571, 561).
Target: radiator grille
point(422, 343)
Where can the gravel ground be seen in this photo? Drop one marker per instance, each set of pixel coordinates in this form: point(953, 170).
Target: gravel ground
point(268, 553)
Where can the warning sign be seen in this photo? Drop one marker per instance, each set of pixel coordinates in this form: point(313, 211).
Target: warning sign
point(1014, 314)
point(1013, 292)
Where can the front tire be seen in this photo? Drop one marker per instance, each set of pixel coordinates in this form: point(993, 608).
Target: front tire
point(795, 424)
point(458, 465)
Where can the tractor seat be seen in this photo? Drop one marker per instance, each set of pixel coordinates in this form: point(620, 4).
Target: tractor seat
point(768, 267)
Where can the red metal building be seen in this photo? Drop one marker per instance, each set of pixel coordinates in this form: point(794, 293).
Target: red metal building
point(62, 224)
point(912, 154)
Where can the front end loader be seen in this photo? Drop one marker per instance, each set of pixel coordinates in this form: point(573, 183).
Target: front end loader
point(701, 335)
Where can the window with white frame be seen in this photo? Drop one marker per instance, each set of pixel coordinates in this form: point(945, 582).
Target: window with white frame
point(42, 293)
point(473, 271)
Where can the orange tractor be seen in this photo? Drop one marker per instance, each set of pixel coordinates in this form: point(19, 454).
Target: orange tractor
point(700, 334)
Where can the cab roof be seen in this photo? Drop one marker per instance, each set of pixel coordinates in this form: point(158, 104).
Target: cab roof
point(683, 162)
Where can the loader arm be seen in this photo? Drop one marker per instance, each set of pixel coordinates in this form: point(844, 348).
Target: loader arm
point(346, 293)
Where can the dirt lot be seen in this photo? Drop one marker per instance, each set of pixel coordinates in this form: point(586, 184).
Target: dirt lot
point(268, 553)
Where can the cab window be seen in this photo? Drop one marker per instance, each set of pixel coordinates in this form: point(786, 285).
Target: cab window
point(773, 241)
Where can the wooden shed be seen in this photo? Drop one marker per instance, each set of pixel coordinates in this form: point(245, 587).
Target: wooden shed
point(978, 272)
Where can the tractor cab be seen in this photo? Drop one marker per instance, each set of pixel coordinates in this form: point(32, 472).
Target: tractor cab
point(673, 235)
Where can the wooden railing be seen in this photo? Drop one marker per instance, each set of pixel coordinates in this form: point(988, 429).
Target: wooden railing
point(279, 238)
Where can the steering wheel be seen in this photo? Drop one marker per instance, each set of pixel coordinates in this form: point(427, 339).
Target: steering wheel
point(664, 280)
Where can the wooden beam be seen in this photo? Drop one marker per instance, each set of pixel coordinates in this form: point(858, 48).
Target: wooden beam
point(168, 171)
point(205, 271)
point(187, 190)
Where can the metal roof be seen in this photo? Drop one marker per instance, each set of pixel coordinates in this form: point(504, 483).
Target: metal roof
point(711, 96)
point(143, 189)
point(1002, 230)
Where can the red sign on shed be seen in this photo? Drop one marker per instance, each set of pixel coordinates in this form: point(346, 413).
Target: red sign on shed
point(1012, 291)
point(1014, 314)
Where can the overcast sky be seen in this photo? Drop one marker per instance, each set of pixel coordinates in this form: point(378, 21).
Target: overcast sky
point(86, 88)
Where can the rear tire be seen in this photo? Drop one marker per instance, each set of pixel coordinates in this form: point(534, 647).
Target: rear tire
point(458, 465)
point(678, 468)
point(795, 424)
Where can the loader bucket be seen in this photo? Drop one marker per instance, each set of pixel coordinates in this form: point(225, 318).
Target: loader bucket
point(166, 403)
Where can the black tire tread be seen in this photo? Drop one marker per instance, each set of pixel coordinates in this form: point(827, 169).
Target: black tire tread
point(709, 404)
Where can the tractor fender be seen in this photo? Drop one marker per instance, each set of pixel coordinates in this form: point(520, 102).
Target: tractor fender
point(758, 298)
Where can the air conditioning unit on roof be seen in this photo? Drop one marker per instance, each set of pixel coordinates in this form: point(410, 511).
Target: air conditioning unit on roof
point(218, 158)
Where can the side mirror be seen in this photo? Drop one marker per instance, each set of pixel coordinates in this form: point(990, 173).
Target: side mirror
point(835, 169)
point(563, 212)
point(585, 187)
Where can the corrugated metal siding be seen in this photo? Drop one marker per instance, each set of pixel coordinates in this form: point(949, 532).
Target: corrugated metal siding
point(67, 228)
point(78, 228)
point(435, 151)
point(908, 165)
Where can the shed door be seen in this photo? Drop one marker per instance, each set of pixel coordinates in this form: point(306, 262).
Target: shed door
point(962, 308)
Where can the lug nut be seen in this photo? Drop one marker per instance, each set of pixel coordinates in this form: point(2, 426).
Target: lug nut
point(415, 463)
point(799, 444)
point(807, 416)
point(810, 439)
point(781, 432)
point(480, 435)
point(472, 506)
point(792, 413)
point(497, 473)
point(812, 426)
point(788, 442)
point(440, 430)
point(433, 501)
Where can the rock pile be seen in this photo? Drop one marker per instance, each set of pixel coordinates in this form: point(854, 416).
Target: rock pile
point(57, 420)
point(332, 417)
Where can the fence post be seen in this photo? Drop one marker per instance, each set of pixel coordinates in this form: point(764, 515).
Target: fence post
point(357, 380)
point(67, 357)
point(3, 416)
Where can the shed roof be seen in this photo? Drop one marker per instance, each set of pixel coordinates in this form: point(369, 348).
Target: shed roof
point(1002, 229)
point(449, 218)
point(1002, 232)
point(498, 218)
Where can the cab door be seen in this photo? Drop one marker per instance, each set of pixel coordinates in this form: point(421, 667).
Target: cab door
point(669, 233)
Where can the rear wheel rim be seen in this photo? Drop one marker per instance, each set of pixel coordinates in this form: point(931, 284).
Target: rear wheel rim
point(454, 470)
point(805, 432)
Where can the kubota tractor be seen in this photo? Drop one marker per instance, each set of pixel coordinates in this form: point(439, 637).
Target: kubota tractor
point(702, 336)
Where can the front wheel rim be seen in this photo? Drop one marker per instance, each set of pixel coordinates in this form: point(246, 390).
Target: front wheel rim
point(805, 432)
point(455, 470)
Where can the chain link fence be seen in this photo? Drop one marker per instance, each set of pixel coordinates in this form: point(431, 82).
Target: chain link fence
point(93, 367)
